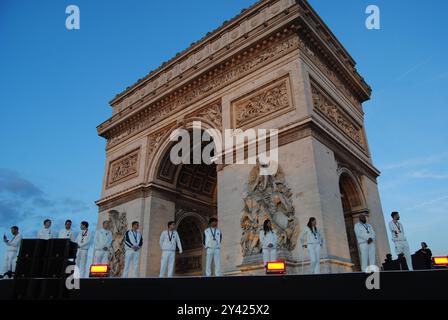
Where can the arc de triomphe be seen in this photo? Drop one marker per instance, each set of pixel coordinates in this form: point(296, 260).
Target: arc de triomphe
point(275, 65)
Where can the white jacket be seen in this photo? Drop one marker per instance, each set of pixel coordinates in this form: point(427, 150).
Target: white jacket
point(133, 239)
point(397, 231)
point(267, 239)
point(212, 238)
point(308, 237)
point(103, 239)
point(67, 234)
point(363, 232)
point(83, 240)
point(13, 244)
point(44, 234)
point(170, 245)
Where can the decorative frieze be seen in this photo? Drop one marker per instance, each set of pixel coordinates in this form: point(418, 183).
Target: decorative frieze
point(208, 49)
point(271, 100)
point(306, 48)
point(123, 168)
point(334, 112)
point(195, 92)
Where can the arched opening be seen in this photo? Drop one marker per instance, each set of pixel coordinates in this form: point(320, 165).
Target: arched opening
point(352, 205)
point(191, 261)
point(192, 188)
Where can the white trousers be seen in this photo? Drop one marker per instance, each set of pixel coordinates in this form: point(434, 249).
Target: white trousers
point(403, 247)
point(167, 261)
point(101, 257)
point(269, 254)
point(10, 261)
point(213, 255)
point(314, 253)
point(367, 254)
point(131, 256)
point(81, 261)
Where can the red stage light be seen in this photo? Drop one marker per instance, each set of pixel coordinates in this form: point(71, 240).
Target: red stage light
point(99, 270)
point(276, 267)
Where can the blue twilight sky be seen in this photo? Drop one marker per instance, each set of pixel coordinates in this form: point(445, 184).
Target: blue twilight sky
point(55, 86)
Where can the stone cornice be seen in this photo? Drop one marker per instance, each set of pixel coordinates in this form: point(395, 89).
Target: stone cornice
point(233, 69)
point(223, 36)
point(265, 17)
point(316, 31)
point(144, 96)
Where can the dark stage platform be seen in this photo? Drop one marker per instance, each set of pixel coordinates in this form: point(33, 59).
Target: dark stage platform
point(393, 285)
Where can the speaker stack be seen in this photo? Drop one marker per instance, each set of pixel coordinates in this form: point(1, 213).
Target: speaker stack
point(47, 259)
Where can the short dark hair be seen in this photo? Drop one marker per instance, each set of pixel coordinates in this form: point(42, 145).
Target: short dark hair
point(211, 220)
point(170, 223)
point(85, 223)
point(15, 228)
point(393, 214)
point(134, 223)
point(47, 220)
point(68, 221)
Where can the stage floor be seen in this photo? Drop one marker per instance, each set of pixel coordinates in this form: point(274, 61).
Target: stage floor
point(392, 285)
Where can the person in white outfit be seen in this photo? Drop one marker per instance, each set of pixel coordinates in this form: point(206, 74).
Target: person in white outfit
point(399, 239)
point(103, 243)
point(169, 240)
point(83, 240)
point(212, 244)
point(366, 242)
point(13, 245)
point(45, 232)
point(268, 241)
point(133, 243)
point(311, 239)
point(67, 232)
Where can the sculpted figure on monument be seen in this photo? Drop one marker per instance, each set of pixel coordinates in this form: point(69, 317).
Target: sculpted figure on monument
point(268, 197)
point(119, 226)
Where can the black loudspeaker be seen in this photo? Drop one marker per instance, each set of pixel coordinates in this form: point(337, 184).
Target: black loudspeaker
point(30, 248)
point(30, 260)
point(61, 248)
point(45, 258)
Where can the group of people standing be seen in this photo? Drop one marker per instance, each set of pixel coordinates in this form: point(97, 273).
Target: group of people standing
point(310, 238)
point(133, 242)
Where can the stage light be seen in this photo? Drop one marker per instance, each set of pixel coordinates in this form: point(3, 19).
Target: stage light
point(275, 267)
point(440, 261)
point(99, 271)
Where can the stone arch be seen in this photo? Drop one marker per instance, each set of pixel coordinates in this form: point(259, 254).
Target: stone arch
point(353, 204)
point(187, 193)
point(160, 149)
point(191, 226)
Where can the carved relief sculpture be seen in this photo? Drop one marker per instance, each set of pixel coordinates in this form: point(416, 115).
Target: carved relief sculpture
point(268, 197)
point(332, 111)
point(211, 113)
point(123, 168)
point(119, 225)
point(266, 101)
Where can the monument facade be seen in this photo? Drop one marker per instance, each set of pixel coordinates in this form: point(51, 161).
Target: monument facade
point(275, 65)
